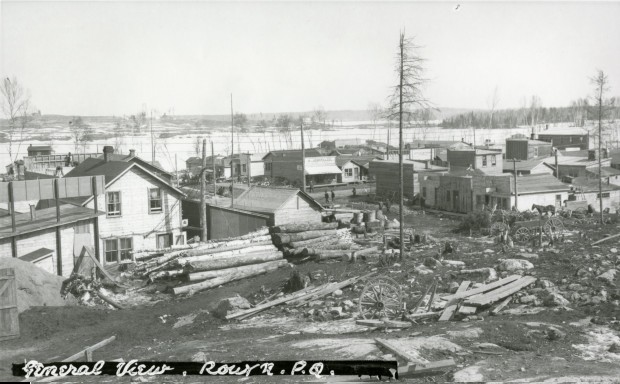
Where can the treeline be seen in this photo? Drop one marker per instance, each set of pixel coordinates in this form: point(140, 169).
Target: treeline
point(578, 113)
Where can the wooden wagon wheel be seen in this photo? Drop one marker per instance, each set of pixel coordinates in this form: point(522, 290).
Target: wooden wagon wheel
point(553, 227)
point(381, 297)
point(497, 228)
point(522, 234)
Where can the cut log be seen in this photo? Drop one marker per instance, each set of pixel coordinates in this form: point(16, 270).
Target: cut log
point(286, 238)
point(252, 258)
point(211, 274)
point(295, 252)
point(333, 248)
point(210, 251)
point(331, 288)
point(482, 289)
point(295, 228)
point(500, 293)
point(370, 323)
point(605, 239)
point(237, 275)
point(326, 254)
point(228, 254)
point(158, 275)
point(366, 251)
point(330, 239)
point(105, 298)
point(424, 315)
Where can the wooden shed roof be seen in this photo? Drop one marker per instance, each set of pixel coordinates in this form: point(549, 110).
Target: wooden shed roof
point(262, 199)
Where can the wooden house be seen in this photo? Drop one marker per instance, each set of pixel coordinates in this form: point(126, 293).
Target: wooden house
point(354, 168)
point(526, 149)
point(39, 150)
point(281, 205)
point(386, 174)
point(287, 166)
point(566, 137)
point(248, 164)
point(143, 210)
point(488, 161)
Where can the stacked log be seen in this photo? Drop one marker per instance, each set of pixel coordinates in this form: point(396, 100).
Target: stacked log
point(214, 263)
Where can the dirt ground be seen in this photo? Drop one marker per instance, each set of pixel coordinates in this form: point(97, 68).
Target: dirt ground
point(512, 346)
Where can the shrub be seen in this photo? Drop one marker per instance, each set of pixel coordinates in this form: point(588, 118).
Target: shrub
point(475, 221)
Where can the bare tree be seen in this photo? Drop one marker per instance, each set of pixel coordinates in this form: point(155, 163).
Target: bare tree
point(318, 117)
point(406, 96)
point(198, 146)
point(119, 132)
point(16, 108)
point(493, 101)
point(80, 132)
point(535, 105)
point(601, 110)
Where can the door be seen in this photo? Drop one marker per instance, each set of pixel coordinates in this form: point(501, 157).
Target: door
point(456, 201)
point(9, 320)
point(164, 240)
point(558, 201)
point(356, 174)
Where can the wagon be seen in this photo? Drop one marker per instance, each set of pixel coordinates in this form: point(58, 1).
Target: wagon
point(524, 230)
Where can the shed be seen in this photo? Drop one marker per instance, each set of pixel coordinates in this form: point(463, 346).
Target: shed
point(42, 258)
point(281, 205)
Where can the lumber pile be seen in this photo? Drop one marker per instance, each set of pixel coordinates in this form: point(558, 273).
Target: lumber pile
point(317, 241)
point(211, 264)
point(467, 302)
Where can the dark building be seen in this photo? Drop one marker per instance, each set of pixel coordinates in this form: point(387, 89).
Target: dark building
point(526, 149)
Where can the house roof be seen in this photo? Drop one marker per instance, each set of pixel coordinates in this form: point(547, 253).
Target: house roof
point(129, 158)
point(46, 218)
point(591, 185)
point(528, 165)
point(540, 183)
point(417, 165)
point(605, 171)
point(111, 170)
point(432, 143)
point(321, 169)
point(362, 161)
point(563, 131)
point(529, 141)
point(294, 153)
point(269, 200)
point(40, 147)
point(37, 255)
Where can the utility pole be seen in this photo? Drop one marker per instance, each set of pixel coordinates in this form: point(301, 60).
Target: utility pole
point(213, 168)
point(303, 157)
point(249, 170)
point(152, 141)
point(176, 168)
point(232, 154)
point(557, 171)
point(401, 214)
point(514, 171)
point(203, 207)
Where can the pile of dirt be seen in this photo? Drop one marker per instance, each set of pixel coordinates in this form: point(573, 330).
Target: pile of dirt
point(35, 287)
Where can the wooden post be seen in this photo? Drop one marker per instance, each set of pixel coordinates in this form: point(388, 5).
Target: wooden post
point(249, 170)
point(213, 168)
point(514, 169)
point(203, 213)
point(232, 154)
point(401, 214)
point(58, 237)
point(96, 220)
point(303, 157)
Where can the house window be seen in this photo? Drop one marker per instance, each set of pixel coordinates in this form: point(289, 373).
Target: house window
point(164, 240)
point(155, 205)
point(493, 160)
point(82, 227)
point(117, 250)
point(244, 168)
point(267, 167)
point(114, 204)
point(348, 172)
point(605, 195)
point(484, 160)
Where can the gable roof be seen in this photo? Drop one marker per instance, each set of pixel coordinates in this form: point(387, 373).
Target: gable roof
point(293, 153)
point(111, 170)
point(262, 199)
point(528, 165)
point(128, 158)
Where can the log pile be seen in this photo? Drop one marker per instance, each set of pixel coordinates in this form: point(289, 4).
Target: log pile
point(211, 264)
point(318, 241)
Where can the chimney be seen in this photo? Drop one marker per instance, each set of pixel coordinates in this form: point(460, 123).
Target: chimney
point(107, 151)
point(132, 152)
point(592, 154)
point(532, 136)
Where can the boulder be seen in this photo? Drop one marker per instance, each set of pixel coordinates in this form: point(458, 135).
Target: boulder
point(544, 283)
point(453, 287)
point(527, 299)
point(454, 263)
point(431, 262)
point(348, 304)
point(555, 334)
point(231, 305)
point(337, 293)
point(514, 265)
point(608, 276)
point(335, 311)
point(555, 300)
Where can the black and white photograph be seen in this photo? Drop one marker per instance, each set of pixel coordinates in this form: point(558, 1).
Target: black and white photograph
point(309, 191)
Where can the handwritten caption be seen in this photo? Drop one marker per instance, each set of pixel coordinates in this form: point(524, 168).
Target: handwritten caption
point(35, 369)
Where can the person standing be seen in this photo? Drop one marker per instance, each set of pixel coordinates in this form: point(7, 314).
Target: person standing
point(326, 197)
point(333, 196)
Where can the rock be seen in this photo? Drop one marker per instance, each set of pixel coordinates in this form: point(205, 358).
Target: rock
point(431, 262)
point(514, 265)
point(613, 250)
point(528, 255)
point(488, 251)
point(316, 303)
point(231, 305)
point(480, 273)
point(452, 288)
point(469, 374)
point(614, 348)
point(576, 287)
point(310, 312)
point(544, 283)
point(574, 296)
point(582, 272)
point(337, 293)
point(454, 263)
point(348, 304)
point(555, 334)
point(608, 276)
point(555, 300)
point(527, 299)
point(335, 311)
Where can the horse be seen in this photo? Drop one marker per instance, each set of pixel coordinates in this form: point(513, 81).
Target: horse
point(544, 208)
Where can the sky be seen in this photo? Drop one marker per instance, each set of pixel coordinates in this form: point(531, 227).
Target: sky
point(116, 58)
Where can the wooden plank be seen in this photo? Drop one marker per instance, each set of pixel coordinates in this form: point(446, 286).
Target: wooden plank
point(9, 314)
point(419, 316)
point(484, 288)
point(370, 323)
point(502, 292)
point(449, 311)
point(387, 344)
point(605, 239)
point(463, 287)
point(91, 253)
point(467, 310)
point(501, 305)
